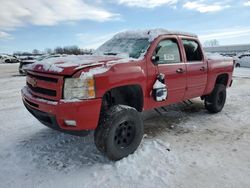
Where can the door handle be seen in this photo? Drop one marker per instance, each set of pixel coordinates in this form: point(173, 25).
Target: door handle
point(180, 71)
point(202, 69)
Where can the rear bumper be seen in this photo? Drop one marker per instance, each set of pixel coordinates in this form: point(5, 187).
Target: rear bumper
point(53, 114)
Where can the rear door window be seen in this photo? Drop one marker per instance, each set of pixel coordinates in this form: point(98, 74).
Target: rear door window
point(193, 50)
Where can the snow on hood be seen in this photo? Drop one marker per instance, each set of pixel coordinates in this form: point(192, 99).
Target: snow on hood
point(150, 34)
point(105, 67)
point(58, 64)
point(69, 64)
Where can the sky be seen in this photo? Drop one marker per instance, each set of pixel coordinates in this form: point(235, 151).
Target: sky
point(39, 24)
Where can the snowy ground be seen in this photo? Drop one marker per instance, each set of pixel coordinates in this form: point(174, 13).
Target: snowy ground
point(186, 147)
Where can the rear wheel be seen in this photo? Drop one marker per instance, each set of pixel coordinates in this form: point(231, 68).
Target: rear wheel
point(215, 102)
point(237, 65)
point(119, 132)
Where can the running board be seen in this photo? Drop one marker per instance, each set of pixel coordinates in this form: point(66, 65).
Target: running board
point(188, 102)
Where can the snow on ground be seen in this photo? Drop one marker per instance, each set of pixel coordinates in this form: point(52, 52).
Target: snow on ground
point(242, 72)
point(185, 147)
point(8, 69)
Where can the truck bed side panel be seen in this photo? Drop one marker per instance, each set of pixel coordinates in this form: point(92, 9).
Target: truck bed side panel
point(215, 69)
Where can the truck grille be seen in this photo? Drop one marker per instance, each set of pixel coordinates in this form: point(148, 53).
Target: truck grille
point(42, 90)
point(55, 80)
point(45, 86)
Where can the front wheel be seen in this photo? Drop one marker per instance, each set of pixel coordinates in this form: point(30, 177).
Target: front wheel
point(119, 132)
point(7, 61)
point(215, 102)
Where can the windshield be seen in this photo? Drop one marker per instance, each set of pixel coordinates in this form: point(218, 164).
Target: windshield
point(130, 46)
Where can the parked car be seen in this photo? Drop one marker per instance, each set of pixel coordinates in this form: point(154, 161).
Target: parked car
point(131, 73)
point(243, 61)
point(1, 59)
point(25, 62)
point(8, 59)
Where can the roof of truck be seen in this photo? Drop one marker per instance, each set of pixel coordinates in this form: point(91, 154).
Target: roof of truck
point(151, 34)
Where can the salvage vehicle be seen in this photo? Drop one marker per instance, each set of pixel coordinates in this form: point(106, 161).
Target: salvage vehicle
point(8, 59)
point(132, 72)
point(27, 61)
point(24, 63)
point(243, 60)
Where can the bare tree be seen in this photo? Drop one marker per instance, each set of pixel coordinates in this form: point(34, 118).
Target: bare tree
point(75, 50)
point(48, 51)
point(211, 43)
point(58, 50)
point(35, 51)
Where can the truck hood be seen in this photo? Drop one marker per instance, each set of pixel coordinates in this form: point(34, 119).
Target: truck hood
point(70, 64)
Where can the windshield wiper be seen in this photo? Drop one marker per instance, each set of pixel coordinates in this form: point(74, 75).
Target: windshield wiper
point(110, 53)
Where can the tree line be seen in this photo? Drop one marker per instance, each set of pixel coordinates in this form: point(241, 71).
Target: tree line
point(211, 43)
point(69, 50)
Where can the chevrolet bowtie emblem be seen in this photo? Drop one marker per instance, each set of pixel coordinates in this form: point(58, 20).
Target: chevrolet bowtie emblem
point(32, 81)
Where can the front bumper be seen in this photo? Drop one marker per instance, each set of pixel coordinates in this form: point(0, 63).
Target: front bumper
point(53, 114)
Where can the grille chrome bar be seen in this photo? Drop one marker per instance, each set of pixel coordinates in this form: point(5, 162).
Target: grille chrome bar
point(42, 90)
point(45, 86)
point(48, 79)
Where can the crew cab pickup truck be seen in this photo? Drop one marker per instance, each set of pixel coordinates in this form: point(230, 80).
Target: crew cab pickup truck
point(132, 72)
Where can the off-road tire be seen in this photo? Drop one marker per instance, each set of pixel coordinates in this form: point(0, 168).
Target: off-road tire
point(215, 102)
point(120, 124)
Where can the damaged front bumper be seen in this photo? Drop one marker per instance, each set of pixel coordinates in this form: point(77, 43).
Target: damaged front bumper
point(56, 115)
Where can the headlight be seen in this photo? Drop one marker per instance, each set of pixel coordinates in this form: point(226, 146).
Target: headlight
point(79, 88)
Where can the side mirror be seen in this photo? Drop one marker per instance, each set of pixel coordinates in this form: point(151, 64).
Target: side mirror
point(155, 59)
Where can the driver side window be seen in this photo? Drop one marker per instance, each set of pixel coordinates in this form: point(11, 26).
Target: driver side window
point(167, 52)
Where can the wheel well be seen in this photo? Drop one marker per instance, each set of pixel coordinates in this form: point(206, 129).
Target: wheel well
point(131, 95)
point(222, 79)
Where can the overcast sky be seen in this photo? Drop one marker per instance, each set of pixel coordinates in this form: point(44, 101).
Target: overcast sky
point(40, 24)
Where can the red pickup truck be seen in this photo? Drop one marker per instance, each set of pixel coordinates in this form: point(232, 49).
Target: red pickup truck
point(132, 72)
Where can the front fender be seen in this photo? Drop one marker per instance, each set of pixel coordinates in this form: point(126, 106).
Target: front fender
point(121, 75)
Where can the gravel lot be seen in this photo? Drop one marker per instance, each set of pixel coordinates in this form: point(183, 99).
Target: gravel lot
point(185, 147)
